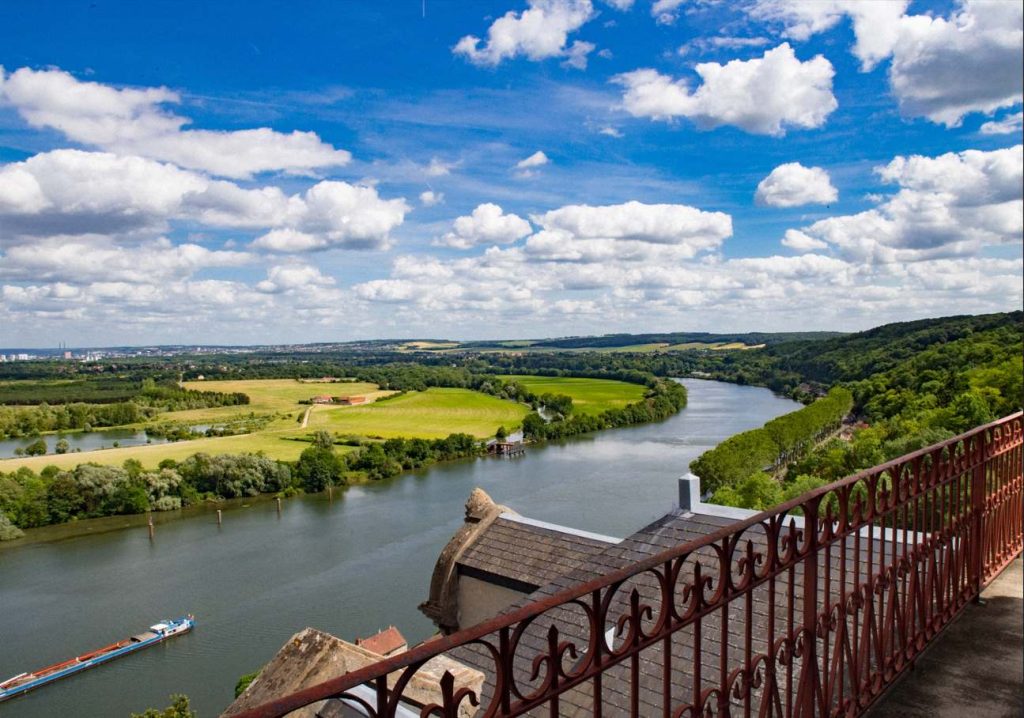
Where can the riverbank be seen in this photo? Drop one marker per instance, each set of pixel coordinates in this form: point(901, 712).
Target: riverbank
point(349, 567)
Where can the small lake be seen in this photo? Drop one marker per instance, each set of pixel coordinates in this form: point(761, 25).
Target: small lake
point(350, 567)
point(86, 440)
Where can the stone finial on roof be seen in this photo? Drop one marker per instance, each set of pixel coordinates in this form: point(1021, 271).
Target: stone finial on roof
point(442, 605)
point(479, 505)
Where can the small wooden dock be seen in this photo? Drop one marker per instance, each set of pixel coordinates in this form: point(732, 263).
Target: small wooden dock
point(507, 448)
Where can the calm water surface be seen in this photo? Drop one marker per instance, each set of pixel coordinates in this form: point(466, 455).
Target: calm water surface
point(82, 441)
point(349, 566)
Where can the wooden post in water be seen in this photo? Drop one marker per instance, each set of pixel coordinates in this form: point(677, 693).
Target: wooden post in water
point(278, 505)
point(220, 518)
point(152, 529)
point(330, 492)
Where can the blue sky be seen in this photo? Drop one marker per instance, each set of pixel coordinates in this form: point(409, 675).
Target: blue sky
point(503, 169)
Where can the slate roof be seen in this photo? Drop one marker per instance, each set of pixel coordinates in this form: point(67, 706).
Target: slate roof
point(673, 529)
point(529, 554)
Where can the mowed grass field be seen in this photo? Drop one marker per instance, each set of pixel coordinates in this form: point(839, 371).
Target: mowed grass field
point(431, 414)
point(268, 396)
point(589, 396)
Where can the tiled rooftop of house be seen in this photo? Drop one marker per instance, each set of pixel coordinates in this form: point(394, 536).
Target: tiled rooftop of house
point(528, 553)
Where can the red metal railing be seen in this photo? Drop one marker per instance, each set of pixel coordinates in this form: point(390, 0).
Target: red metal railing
point(763, 617)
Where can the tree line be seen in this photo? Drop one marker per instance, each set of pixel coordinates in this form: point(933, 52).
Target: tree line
point(29, 500)
point(914, 384)
point(150, 399)
point(777, 442)
point(661, 401)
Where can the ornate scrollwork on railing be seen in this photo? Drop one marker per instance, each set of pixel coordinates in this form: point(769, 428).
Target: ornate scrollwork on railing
point(812, 607)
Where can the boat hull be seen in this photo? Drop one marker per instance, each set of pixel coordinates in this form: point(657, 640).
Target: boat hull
point(21, 684)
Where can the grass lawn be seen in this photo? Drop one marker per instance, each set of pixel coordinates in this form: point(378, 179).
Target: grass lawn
point(589, 396)
point(431, 414)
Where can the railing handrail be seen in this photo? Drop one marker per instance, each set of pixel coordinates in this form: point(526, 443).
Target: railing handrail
point(419, 654)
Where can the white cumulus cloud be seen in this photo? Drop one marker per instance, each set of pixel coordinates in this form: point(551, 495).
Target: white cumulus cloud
point(134, 121)
point(631, 232)
point(539, 32)
point(765, 95)
point(951, 205)
point(1009, 125)
point(76, 193)
point(77, 260)
point(875, 23)
point(286, 277)
point(942, 68)
point(429, 198)
point(793, 185)
point(487, 225)
point(666, 12)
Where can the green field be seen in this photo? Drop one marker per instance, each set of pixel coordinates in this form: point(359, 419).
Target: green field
point(431, 414)
point(589, 396)
point(268, 396)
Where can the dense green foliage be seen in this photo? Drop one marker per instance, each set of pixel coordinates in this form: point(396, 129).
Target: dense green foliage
point(913, 384)
point(244, 681)
point(179, 708)
point(662, 400)
point(32, 420)
point(8, 531)
point(29, 500)
point(95, 390)
point(148, 399)
point(171, 397)
point(777, 442)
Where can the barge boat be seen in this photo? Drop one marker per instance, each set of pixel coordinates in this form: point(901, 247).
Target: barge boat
point(25, 682)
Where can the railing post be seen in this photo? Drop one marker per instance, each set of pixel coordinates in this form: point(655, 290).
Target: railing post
point(808, 690)
point(977, 511)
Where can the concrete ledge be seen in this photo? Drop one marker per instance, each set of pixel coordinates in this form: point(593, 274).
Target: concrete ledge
point(511, 516)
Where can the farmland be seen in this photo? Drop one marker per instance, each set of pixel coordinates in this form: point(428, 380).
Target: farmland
point(268, 396)
point(589, 396)
point(430, 414)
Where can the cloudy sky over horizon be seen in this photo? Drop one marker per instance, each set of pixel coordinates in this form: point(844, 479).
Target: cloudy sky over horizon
point(247, 173)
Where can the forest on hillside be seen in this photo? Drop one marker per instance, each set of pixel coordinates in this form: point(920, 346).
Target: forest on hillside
point(912, 384)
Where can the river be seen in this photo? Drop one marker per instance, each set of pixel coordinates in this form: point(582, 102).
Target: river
point(349, 567)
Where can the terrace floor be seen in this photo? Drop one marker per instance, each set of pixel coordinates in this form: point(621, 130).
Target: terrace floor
point(976, 668)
